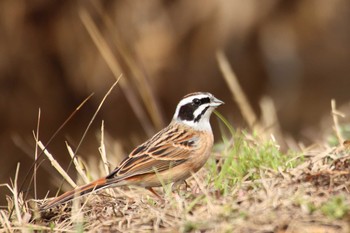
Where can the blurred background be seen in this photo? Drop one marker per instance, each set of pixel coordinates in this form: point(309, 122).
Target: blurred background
point(53, 54)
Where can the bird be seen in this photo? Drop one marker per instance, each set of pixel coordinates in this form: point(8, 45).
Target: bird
point(170, 156)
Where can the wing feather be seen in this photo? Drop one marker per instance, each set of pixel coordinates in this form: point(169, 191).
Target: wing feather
point(168, 148)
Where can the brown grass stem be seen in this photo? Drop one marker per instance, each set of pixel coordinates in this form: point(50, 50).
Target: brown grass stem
point(237, 92)
point(102, 150)
point(56, 165)
point(77, 165)
point(36, 155)
point(113, 64)
point(135, 67)
point(336, 127)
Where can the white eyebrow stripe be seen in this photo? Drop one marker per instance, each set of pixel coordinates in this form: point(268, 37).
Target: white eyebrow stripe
point(191, 98)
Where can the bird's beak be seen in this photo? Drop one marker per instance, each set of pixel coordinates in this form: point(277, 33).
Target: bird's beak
point(216, 102)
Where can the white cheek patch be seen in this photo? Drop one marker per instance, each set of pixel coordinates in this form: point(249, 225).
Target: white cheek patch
point(200, 112)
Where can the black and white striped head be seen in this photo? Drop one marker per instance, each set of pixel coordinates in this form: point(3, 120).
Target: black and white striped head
point(195, 110)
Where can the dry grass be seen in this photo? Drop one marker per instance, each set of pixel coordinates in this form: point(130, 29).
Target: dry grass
point(311, 196)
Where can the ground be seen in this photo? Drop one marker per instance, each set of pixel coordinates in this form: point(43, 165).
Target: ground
point(248, 185)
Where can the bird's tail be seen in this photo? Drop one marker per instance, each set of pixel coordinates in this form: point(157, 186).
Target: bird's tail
point(80, 191)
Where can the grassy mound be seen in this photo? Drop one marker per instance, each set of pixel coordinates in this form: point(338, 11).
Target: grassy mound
point(248, 185)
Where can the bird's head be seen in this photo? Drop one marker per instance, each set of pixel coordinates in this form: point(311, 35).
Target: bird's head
point(195, 109)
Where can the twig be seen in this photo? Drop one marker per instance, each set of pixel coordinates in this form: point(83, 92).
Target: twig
point(335, 115)
point(102, 150)
point(15, 195)
point(93, 118)
point(48, 143)
point(56, 165)
point(5, 223)
point(36, 155)
point(77, 165)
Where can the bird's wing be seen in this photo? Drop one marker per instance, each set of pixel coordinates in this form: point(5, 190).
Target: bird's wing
point(165, 150)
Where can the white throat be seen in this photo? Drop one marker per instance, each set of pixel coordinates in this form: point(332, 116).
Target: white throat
point(200, 126)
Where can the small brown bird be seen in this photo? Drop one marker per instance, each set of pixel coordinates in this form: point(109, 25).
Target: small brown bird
point(171, 155)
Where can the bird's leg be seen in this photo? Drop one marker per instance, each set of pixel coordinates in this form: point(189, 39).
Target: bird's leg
point(187, 185)
point(155, 193)
point(176, 185)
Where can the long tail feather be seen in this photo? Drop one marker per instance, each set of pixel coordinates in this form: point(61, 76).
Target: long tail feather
point(80, 191)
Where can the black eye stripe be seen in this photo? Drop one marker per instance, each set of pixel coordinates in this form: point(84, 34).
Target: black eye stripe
point(205, 100)
point(186, 111)
point(196, 101)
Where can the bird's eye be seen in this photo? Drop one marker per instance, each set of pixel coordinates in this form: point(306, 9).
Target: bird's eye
point(196, 101)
